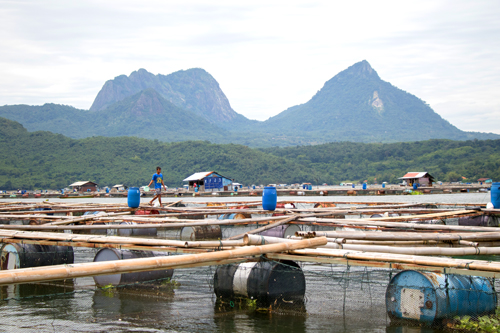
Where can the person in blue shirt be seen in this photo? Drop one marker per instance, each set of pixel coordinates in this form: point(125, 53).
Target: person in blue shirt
point(158, 181)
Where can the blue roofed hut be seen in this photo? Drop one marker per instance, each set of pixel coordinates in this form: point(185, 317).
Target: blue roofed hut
point(209, 181)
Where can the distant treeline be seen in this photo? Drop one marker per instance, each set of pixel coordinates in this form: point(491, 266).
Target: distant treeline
point(43, 160)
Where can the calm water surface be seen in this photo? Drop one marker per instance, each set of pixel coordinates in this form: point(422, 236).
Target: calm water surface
point(338, 298)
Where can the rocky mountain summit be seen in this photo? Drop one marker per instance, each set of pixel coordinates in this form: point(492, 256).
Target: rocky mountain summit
point(355, 105)
point(194, 90)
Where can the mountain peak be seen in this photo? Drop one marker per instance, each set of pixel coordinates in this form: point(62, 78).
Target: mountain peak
point(361, 69)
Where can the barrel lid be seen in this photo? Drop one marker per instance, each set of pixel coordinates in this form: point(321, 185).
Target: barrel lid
point(107, 255)
point(188, 234)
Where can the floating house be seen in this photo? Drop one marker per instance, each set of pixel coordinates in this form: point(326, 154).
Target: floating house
point(422, 178)
point(118, 188)
point(209, 181)
point(84, 186)
point(485, 180)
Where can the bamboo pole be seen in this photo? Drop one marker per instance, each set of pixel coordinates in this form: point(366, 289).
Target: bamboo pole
point(372, 222)
point(188, 223)
point(114, 246)
point(421, 251)
point(404, 236)
point(261, 240)
point(60, 272)
point(84, 218)
point(269, 226)
point(401, 258)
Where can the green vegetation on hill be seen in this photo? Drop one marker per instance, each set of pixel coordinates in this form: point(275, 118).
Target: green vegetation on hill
point(41, 160)
point(446, 160)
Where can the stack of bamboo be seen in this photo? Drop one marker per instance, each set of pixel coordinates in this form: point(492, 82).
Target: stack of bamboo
point(398, 241)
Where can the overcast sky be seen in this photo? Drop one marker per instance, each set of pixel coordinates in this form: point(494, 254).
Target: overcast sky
point(266, 55)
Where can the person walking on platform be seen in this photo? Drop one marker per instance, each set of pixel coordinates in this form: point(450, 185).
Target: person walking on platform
point(158, 181)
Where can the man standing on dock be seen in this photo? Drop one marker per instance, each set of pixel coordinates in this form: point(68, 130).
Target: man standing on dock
point(158, 180)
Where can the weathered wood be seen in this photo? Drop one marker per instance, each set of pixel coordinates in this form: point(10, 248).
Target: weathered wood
point(401, 258)
point(60, 272)
point(407, 236)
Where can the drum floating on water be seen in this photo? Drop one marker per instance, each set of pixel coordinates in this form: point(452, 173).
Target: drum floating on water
point(201, 232)
point(15, 256)
point(265, 281)
point(128, 278)
point(136, 231)
point(430, 297)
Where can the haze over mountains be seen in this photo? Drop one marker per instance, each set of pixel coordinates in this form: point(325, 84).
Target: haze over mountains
point(355, 105)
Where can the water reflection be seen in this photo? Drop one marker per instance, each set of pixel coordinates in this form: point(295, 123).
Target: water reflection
point(139, 305)
point(32, 291)
point(235, 319)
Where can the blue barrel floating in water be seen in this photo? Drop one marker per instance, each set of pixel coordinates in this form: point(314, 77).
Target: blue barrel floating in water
point(364, 186)
point(269, 198)
point(495, 195)
point(431, 297)
point(134, 197)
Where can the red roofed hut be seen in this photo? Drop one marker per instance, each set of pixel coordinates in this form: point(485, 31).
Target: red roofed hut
point(422, 178)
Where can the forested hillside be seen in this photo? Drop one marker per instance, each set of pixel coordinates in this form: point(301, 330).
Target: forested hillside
point(40, 160)
point(446, 160)
point(45, 160)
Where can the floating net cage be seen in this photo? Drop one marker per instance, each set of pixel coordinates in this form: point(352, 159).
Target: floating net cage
point(257, 296)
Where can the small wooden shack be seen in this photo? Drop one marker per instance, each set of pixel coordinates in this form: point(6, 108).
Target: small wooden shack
point(209, 181)
point(422, 178)
point(84, 186)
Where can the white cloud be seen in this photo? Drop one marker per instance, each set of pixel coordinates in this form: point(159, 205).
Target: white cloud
point(266, 55)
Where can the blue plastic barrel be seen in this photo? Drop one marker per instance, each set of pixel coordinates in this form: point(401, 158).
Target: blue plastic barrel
point(134, 197)
point(253, 187)
point(429, 298)
point(353, 186)
point(415, 186)
point(383, 185)
point(236, 189)
point(310, 187)
point(269, 198)
point(364, 186)
point(495, 195)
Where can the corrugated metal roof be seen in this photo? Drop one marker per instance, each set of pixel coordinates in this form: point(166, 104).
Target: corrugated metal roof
point(82, 183)
point(410, 175)
point(198, 176)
